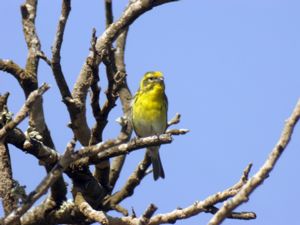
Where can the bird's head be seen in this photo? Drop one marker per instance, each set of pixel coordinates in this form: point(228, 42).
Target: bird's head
point(152, 80)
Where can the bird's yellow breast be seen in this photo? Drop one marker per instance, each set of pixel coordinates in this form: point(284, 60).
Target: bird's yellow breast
point(150, 112)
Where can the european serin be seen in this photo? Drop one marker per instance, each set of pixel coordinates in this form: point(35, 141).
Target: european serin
point(149, 114)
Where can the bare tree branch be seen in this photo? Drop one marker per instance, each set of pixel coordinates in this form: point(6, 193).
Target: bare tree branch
point(125, 97)
point(144, 220)
point(99, 151)
point(116, 77)
point(42, 188)
point(29, 81)
point(114, 148)
point(202, 206)
point(43, 56)
point(28, 11)
point(11, 67)
point(132, 182)
point(96, 135)
point(55, 62)
point(29, 144)
point(21, 115)
point(115, 72)
point(132, 12)
point(40, 214)
point(108, 12)
point(88, 211)
point(76, 108)
point(234, 215)
point(68, 211)
point(9, 202)
point(107, 150)
point(263, 172)
point(174, 120)
point(93, 154)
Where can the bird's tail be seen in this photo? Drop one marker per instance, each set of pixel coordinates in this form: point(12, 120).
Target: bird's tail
point(158, 170)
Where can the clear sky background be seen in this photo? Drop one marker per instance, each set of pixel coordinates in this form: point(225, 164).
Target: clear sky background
point(231, 69)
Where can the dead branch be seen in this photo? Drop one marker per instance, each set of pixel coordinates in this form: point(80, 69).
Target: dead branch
point(85, 208)
point(29, 83)
point(125, 97)
point(9, 202)
point(108, 12)
point(132, 182)
point(263, 172)
point(42, 188)
point(29, 144)
point(21, 115)
point(69, 211)
point(11, 67)
point(55, 62)
point(202, 206)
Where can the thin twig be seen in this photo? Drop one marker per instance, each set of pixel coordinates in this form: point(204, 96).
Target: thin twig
point(144, 220)
point(174, 120)
point(263, 172)
point(96, 135)
point(21, 115)
point(43, 56)
point(108, 13)
point(233, 215)
point(56, 48)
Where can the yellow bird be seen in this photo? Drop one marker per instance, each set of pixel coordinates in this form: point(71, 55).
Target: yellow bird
point(149, 114)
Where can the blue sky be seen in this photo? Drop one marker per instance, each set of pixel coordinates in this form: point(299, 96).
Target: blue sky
point(232, 71)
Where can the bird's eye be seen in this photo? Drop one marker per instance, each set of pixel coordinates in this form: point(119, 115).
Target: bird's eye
point(151, 78)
